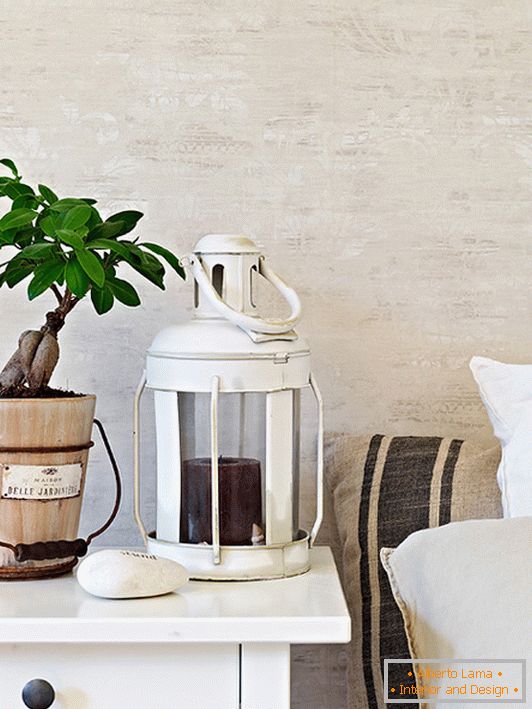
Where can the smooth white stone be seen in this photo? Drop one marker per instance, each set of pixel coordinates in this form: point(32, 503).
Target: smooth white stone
point(119, 573)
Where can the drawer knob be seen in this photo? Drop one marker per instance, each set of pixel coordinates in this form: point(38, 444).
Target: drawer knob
point(38, 694)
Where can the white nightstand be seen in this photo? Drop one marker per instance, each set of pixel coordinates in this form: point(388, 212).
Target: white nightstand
point(209, 646)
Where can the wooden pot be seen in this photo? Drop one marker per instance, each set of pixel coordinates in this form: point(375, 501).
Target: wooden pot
point(44, 448)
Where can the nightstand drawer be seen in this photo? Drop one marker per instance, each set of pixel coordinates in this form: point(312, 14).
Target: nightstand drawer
point(116, 676)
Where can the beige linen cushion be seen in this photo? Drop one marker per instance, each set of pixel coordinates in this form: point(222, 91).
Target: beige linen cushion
point(383, 489)
point(465, 590)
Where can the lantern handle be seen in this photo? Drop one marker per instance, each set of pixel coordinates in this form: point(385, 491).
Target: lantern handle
point(136, 457)
point(248, 322)
point(319, 489)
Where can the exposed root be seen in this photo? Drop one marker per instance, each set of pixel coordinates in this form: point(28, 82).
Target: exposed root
point(35, 358)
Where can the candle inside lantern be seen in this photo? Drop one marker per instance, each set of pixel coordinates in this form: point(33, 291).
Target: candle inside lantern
point(240, 501)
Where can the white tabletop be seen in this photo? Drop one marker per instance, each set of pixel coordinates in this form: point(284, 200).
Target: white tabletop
point(305, 609)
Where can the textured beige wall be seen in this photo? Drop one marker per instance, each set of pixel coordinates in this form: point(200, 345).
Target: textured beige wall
point(380, 150)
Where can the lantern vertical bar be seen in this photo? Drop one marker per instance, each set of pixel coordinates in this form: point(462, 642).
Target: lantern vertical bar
point(319, 490)
point(215, 497)
point(296, 462)
point(136, 457)
point(279, 457)
point(168, 465)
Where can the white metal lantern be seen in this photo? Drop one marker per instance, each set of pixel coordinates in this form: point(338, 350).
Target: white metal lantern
point(227, 389)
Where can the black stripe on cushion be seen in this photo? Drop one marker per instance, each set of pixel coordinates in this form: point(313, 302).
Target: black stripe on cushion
point(404, 505)
point(446, 492)
point(369, 469)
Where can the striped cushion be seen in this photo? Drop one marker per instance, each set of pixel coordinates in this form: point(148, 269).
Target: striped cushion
point(384, 489)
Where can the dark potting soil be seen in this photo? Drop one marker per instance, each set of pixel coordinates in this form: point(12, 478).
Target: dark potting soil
point(22, 392)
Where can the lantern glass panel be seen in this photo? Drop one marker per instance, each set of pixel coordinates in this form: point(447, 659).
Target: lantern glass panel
point(241, 466)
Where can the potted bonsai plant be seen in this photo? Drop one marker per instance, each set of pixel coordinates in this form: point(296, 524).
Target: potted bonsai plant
point(62, 247)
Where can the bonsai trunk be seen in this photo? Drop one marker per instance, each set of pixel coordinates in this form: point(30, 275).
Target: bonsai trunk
point(32, 364)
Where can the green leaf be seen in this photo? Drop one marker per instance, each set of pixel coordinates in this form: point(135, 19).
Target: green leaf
point(106, 230)
point(27, 201)
point(48, 224)
point(45, 275)
point(155, 277)
point(94, 218)
point(76, 278)
point(147, 265)
point(67, 203)
point(76, 217)
point(15, 273)
point(27, 235)
point(4, 182)
point(116, 247)
point(17, 269)
point(48, 194)
point(11, 165)
point(8, 237)
point(149, 261)
point(15, 189)
point(16, 218)
point(102, 299)
point(92, 266)
point(124, 292)
point(168, 256)
point(70, 237)
point(129, 219)
point(88, 200)
point(37, 251)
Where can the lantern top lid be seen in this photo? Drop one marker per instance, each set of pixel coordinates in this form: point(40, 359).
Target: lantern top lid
point(217, 339)
point(186, 357)
point(226, 244)
point(227, 338)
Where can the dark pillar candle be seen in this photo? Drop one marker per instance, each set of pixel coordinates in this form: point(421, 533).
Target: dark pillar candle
point(240, 500)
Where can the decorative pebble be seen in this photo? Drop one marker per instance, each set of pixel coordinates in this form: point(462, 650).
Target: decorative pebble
point(119, 573)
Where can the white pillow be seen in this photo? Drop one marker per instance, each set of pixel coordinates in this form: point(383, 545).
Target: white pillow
point(464, 590)
point(506, 390)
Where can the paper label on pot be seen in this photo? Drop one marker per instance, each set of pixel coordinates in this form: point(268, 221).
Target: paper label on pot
point(40, 482)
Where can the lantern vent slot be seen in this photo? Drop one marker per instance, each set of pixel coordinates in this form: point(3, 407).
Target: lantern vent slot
point(218, 279)
point(252, 275)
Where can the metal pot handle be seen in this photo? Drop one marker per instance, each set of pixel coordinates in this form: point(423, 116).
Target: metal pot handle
point(248, 322)
point(64, 548)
